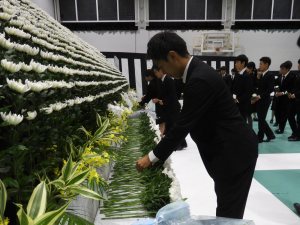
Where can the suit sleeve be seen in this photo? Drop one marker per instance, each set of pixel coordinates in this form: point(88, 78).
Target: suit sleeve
point(198, 98)
point(170, 93)
point(269, 87)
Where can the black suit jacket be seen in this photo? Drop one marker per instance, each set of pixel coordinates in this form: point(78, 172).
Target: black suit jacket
point(171, 107)
point(228, 80)
point(265, 86)
point(243, 89)
point(286, 85)
point(226, 143)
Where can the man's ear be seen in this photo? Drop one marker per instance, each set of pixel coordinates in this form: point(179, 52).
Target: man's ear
point(172, 56)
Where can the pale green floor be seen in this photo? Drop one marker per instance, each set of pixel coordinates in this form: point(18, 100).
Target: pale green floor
point(284, 184)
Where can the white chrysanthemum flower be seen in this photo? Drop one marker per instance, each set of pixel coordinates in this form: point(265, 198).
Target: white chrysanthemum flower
point(89, 98)
point(70, 102)
point(27, 49)
point(5, 43)
point(37, 67)
point(11, 118)
point(47, 110)
point(17, 23)
point(54, 69)
point(58, 106)
point(31, 115)
point(18, 86)
point(38, 86)
point(10, 66)
point(17, 32)
point(26, 67)
point(5, 16)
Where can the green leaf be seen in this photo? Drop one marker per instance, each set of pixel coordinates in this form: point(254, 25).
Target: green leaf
point(51, 217)
point(24, 219)
point(71, 219)
point(3, 198)
point(78, 178)
point(98, 120)
point(85, 131)
point(102, 129)
point(85, 192)
point(38, 201)
point(67, 169)
point(58, 183)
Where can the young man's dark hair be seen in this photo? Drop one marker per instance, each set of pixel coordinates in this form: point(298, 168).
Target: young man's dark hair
point(162, 43)
point(266, 60)
point(287, 64)
point(242, 58)
point(251, 65)
point(149, 73)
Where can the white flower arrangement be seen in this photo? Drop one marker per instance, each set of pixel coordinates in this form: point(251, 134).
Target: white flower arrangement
point(37, 86)
point(11, 118)
point(26, 67)
point(31, 115)
point(17, 23)
point(17, 32)
point(37, 67)
point(5, 16)
point(5, 43)
point(10, 66)
point(18, 86)
point(27, 49)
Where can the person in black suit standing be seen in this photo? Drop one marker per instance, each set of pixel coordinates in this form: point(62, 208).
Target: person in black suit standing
point(226, 77)
point(227, 145)
point(252, 72)
point(286, 105)
point(265, 86)
point(242, 88)
point(151, 88)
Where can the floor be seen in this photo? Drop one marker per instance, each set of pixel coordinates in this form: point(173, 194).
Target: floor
point(275, 187)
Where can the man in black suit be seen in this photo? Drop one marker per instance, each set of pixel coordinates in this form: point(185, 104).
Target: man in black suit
point(227, 145)
point(265, 86)
point(286, 105)
point(226, 77)
point(151, 89)
point(242, 88)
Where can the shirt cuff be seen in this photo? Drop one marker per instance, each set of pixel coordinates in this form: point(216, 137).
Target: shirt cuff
point(152, 157)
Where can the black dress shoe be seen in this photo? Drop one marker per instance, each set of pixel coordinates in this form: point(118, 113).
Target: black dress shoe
point(275, 124)
point(271, 121)
point(294, 139)
point(255, 119)
point(297, 207)
point(278, 131)
point(291, 137)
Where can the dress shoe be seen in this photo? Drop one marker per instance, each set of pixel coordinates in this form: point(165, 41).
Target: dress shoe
point(278, 131)
point(275, 124)
point(297, 207)
point(294, 139)
point(271, 121)
point(291, 137)
point(255, 119)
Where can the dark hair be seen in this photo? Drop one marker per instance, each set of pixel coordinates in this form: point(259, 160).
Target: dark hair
point(287, 64)
point(242, 58)
point(251, 65)
point(223, 68)
point(149, 73)
point(162, 43)
point(266, 60)
point(299, 61)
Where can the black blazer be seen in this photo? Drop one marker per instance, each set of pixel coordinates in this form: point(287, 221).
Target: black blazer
point(226, 143)
point(171, 107)
point(297, 87)
point(243, 89)
point(288, 84)
point(228, 80)
point(152, 91)
point(265, 86)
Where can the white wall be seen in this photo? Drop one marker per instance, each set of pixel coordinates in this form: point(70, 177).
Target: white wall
point(46, 5)
point(280, 45)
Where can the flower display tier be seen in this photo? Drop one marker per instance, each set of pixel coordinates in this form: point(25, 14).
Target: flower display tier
point(52, 86)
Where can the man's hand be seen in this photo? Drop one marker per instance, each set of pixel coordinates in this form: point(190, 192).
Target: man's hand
point(155, 100)
point(143, 163)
